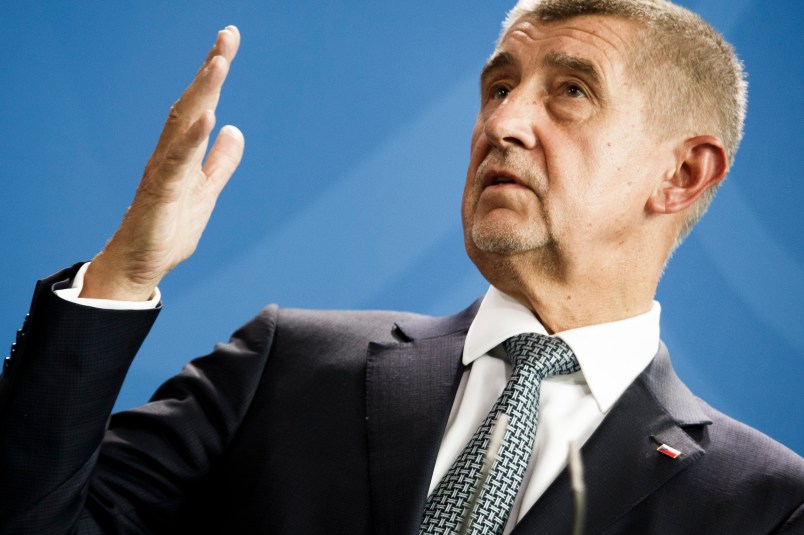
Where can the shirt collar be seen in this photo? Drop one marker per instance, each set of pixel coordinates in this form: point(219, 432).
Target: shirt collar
point(611, 355)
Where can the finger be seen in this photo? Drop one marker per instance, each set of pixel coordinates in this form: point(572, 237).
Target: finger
point(204, 91)
point(183, 155)
point(226, 44)
point(201, 95)
point(224, 156)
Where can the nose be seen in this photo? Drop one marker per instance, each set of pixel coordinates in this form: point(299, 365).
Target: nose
point(513, 123)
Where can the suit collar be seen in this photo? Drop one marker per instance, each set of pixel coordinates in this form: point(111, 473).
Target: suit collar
point(673, 395)
point(410, 386)
point(423, 327)
point(621, 463)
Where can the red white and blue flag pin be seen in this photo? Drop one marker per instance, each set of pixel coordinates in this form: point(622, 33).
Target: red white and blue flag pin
point(669, 451)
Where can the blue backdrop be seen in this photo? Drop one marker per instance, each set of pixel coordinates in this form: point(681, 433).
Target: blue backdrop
point(357, 118)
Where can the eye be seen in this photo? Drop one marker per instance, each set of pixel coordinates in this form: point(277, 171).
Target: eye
point(574, 91)
point(500, 92)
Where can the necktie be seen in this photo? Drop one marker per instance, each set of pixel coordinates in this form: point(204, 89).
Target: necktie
point(476, 494)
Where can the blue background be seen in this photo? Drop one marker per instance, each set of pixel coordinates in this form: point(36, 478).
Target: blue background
point(357, 118)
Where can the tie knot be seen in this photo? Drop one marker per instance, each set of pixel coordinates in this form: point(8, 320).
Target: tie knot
point(548, 354)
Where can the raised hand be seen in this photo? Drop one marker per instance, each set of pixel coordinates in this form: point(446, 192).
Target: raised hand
point(178, 190)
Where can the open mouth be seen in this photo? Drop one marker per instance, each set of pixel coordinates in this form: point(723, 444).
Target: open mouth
point(500, 179)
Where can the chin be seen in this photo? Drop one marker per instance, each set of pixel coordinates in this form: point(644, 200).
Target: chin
point(506, 239)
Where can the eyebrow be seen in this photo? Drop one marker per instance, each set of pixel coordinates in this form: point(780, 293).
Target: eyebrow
point(574, 63)
point(555, 60)
point(500, 60)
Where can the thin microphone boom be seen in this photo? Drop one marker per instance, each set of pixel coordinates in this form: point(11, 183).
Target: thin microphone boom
point(578, 488)
point(495, 443)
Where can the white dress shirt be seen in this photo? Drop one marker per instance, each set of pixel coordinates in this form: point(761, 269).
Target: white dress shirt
point(71, 294)
point(611, 355)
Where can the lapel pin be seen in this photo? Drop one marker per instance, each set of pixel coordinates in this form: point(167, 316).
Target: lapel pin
point(669, 451)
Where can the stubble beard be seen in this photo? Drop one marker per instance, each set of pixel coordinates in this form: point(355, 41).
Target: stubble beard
point(507, 239)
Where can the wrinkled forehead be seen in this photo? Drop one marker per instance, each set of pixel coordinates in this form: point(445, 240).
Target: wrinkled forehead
point(604, 44)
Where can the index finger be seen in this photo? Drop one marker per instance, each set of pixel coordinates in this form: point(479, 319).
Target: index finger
point(225, 45)
point(204, 91)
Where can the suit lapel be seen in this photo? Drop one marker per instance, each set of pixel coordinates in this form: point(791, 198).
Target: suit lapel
point(620, 460)
point(410, 386)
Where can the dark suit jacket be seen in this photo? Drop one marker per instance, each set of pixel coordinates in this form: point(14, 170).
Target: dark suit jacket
point(330, 422)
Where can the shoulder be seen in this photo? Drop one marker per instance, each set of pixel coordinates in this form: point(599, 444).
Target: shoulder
point(745, 472)
point(737, 479)
point(334, 325)
point(748, 458)
point(333, 328)
point(325, 341)
point(733, 443)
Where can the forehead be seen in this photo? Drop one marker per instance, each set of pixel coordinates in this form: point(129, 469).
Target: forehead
point(603, 43)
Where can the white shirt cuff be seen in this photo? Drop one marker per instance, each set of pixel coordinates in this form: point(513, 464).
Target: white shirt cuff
point(71, 295)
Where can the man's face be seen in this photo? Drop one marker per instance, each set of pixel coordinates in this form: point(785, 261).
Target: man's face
point(561, 156)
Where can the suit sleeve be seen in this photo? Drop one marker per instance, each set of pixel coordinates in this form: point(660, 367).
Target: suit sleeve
point(62, 468)
point(794, 525)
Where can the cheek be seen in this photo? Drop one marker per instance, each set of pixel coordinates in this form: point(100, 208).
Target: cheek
point(469, 200)
point(580, 190)
point(477, 152)
point(478, 147)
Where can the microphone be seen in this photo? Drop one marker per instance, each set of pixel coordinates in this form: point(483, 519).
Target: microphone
point(578, 488)
point(495, 442)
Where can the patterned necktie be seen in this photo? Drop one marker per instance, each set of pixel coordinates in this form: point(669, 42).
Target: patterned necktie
point(476, 495)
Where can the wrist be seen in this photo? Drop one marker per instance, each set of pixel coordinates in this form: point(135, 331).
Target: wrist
point(103, 280)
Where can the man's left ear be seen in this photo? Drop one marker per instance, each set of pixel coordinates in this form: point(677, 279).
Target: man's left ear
point(701, 163)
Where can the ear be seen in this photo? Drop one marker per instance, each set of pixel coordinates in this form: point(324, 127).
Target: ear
point(701, 163)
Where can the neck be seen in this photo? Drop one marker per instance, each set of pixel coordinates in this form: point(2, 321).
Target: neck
point(569, 294)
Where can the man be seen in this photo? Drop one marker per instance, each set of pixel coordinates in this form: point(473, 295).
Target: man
point(604, 128)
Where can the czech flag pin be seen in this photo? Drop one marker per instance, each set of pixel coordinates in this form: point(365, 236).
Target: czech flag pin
point(669, 451)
